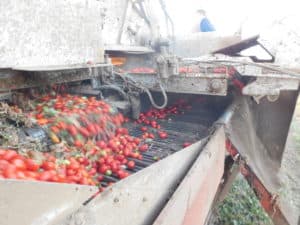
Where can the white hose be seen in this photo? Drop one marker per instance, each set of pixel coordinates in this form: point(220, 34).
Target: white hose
point(145, 89)
point(152, 100)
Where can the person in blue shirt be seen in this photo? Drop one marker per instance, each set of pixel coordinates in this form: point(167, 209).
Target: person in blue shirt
point(205, 25)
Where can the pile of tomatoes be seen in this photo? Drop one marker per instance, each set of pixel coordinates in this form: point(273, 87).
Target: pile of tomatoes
point(151, 127)
point(88, 165)
point(76, 119)
point(16, 166)
point(95, 145)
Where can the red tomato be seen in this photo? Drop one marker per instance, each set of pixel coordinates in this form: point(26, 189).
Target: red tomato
point(48, 165)
point(162, 134)
point(19, 163)
point(143, 148)
point(124, 161)
point(45, 176)
point(129, 138)
point(72, 130)
point(80, 160)
point(2, 153)
point(60, 178)
point(92, 151)
point(10, 172)
point(101, 161)
point(131, 164)
point(92, 171)
point(31, 165)
point(150, 135)
point(74, 165)
point(103, 169)
point(144, 129)
point(51, 158)
point(134, 155)
point(153, 123)
point(121, 174)
point(124, 141)
point(3, 164)
point(55, 129)
point(114, 167)
point(120, 157)
point(78, 143)
point(20, 175)
point(90, 127)
point(101, 144)
point(39, 116)
point(126, 152)
point(62, 125)
point(137, 141)
point(9, 155)
point(186, 144)
point(31, 174)
point(70, 172)
point(84, 131)
point(100, 177)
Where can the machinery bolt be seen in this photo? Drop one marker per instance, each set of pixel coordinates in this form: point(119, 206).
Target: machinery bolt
point(272, 98)
point(116, 200)
point(216, 85)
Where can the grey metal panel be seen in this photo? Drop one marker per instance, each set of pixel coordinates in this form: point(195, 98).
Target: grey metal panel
point(190, 83)
point(60, 68)
point(270, 86)
point(197, 44)
point(197, 186)
point(42, 32)
point(259, 132)
point(37, 203)
point(129, 49)
point(139, 198)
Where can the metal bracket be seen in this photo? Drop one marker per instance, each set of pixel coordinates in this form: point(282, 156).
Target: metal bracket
point(270, 87)
point(269, 81)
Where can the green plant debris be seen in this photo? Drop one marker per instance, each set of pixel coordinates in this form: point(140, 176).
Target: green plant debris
point(241, 207)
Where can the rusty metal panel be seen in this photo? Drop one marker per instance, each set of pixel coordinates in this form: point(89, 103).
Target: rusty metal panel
point(139, 198)
point(41, 76)
point(191, 202)
point(37, 203)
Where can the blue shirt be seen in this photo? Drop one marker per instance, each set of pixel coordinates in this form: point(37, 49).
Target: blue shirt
point(206, 26)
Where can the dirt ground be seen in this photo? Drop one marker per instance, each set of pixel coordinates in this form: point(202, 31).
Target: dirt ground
point(290, 169)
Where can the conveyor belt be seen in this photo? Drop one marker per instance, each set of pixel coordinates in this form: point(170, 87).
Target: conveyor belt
point(190, 127)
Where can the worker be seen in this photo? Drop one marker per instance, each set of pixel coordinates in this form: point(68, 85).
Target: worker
point(205, 25)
